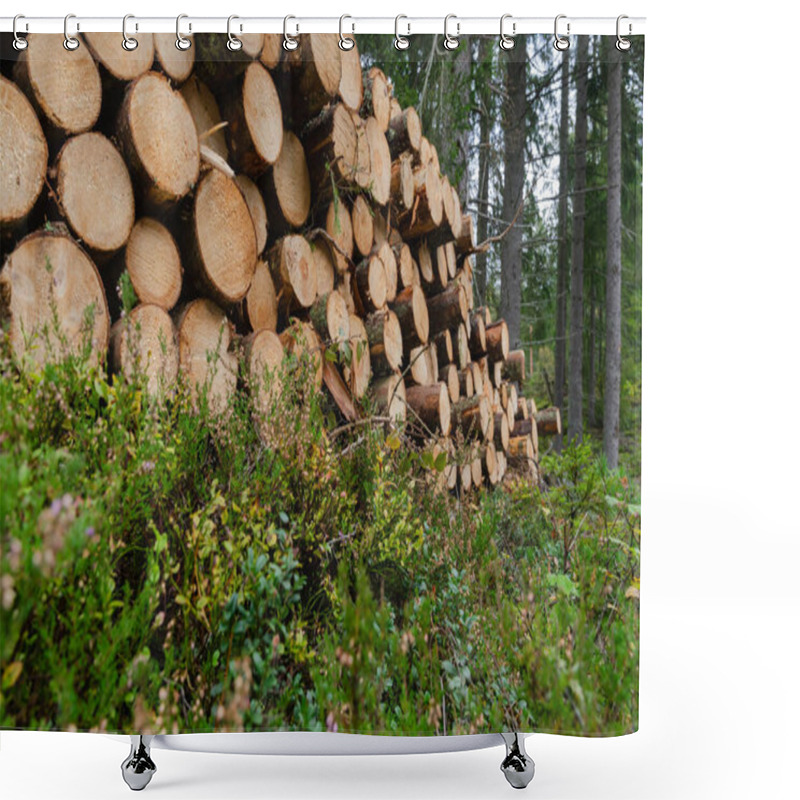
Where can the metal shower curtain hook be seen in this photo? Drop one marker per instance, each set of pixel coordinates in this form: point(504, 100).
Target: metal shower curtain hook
point(128, 42)
point(70, 42)
point(289, 42)
point(181, 42)
point(623, 44)
point(19, 43)
point(506, 41)
point(234, 44)
point(401, 42)
point(345, 42)
point(451, 42)
point(561, 43)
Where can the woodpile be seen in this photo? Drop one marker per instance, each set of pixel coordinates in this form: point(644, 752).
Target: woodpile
point(256, 203)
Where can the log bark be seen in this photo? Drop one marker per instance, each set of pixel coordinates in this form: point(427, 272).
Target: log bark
point(412, 313)
point(220, 67)
point(48, 277)
point(404, 133)
point(523, 411)
point(94, 193)
point(465, 242)
point(338, 390)
point(497, 341)
point(520, 450)
point(448, 309)
point(159, 139)
point(315, 69)
point(292, 268)
point(444, 348)
point(431, 405)
point(23, 154)
point(330, 318)
point(64, 87)
point(385, 341)
point(548, 422)
point(514, 367)
point(220, 245)
point(255, 122)
point(390, 397)
point(153, 264)
point(144, 343)
point(426, 213)
point(287, 188)
point(377, 101)
point(472, 416)
point(465, 383)
point(477, 336)
point(332, 150)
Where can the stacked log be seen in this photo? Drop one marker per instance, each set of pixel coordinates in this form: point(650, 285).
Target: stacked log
point(234, 212)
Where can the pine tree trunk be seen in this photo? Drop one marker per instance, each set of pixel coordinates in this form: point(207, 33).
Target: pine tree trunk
point(485, 126)
point(561, 280)
point(515, 108)
point(611, 396)
point(575, 382)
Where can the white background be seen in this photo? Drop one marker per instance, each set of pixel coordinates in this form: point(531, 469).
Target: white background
point(720, 705)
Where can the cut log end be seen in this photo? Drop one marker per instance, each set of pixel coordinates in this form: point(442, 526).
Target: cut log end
point(153, 264)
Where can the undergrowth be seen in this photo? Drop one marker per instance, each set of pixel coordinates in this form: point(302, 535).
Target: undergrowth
point(166, 568)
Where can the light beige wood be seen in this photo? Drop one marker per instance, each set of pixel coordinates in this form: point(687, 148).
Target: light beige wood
point(205, 112)
point(272, 50)
point(294, 272)
point(315, 68)
point(377, 101)
point(380, 162)
point(390, 397)
point(358, 371)
point(49, 278)
point(207, 364)
point(405, 132)
point(263, 362)
point(159, 138)
point(288, 188)
point(94, 192)
point(301, 340)
point(176, 63)
point(363, 226)
point(339, 226)
point(351, 87)
point(330, 318)
point(255, 122)
point(23, 155)
point(258, 211)
point(261, 301)
point(121, 64)
point(370, 284)
point(144, 343)
point(63, 85)
point(153, 264)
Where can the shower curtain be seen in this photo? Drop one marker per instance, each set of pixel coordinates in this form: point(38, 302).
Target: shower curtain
point(320, 384)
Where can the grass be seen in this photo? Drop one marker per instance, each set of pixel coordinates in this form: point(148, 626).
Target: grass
point(164, 568)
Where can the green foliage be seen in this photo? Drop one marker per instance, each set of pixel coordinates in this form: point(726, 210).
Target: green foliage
point(168, 567)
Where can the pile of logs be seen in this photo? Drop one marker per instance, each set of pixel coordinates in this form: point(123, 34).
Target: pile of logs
point(255, 202)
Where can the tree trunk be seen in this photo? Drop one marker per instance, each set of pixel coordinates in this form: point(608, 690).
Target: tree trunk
point(385, 341)
point(611, 395)
point(431, 404)
point(563, 251)
point(575, 382)
point(515, 108)
point(412, 313)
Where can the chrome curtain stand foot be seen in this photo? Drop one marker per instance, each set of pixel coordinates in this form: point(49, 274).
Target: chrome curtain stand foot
point(517, 766)
point(138, 768)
